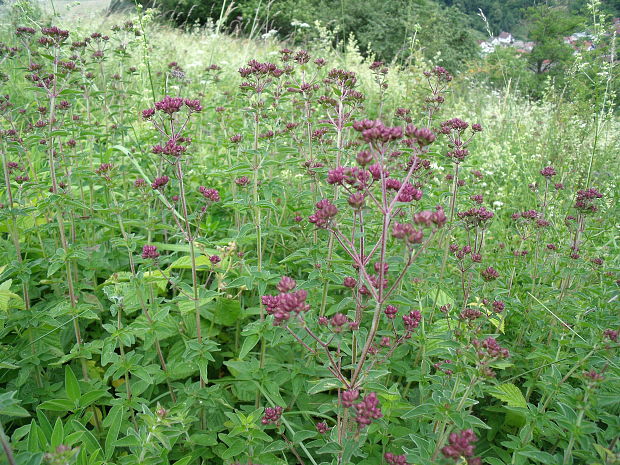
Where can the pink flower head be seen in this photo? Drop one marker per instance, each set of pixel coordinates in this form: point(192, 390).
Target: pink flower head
point(324, 213)
point(193, 105)
point(272, 415)
point(209, 194)
point(489, 274)
point(338, 321)
point(169, 105)
point(286, 284)
point(412, 320)
point(548, 172)
point(393, 459)
point(149, 252)
point(460, 445)
point(390, 311)
point(322, 427)
point(367, 410)
point(160, 183)
point(423, 136)
point(348, 397)
point(585, 200)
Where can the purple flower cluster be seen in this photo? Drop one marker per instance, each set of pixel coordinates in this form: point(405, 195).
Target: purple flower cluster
point(172, 148)
point(367, 409)
point(585, 200)
point(255, 67)
point(548, 172)
point(210, 194)
point(393, 459)
point(407, 233)
point(489, 274)
point(593, 375)
point(611, 334)
point(440, 73)
point(160, 183)
point(412, 320)
point(428, 217)
point(476, 216)
point(376, 131)
point(342, 78)
point(325, 212)
point(149, 252)
point(498, 306)
point(408, 193)
point(470, 314)
point(454, 124)
point(272, 415)
point(322, 427)
point(347, 398)
point(438, 367)
point(421, 136)
point(171, 105)
point(282, 305)
point(390, 312)
point(55, 33)
point(460, 446)
point(21, 30)
point(490, 348)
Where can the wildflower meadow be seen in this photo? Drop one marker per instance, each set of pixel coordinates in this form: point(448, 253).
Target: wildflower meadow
point(218, 249)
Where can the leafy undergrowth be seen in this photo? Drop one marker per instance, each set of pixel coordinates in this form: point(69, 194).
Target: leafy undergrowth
point(216, 251)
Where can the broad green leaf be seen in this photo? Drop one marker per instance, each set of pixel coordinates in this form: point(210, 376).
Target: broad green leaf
point(236, 448)
point(91, 396)
point(72, 386)
point(9, 406)
point(58, 434)
point(113, 422)
point(510, 394)
point(57, 405)
point(248, 344)
point(323, 385)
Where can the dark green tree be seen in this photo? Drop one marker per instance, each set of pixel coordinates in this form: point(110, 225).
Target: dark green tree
point(548, 25)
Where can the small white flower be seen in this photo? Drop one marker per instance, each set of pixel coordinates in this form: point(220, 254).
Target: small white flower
point(268, 35)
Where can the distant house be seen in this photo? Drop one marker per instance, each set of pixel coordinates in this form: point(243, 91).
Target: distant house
point(580, 41)
point(505, 38)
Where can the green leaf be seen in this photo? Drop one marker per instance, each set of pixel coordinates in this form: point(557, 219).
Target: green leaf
point(248, 344)
point(57, 405)
point(113, 422)
point(510, 394)
point(324, 385)
point(91, 397)
point(88, 438)
point(537, 455)
point(227, 311)
point(10, 406)
point(184, 461)
point(58, 434)
point(236, 448)
point(72, 386)
point(420, 411)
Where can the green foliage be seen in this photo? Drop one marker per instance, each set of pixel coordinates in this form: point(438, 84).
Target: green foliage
point(548, 27)
point(385, 29)
point(111, 357)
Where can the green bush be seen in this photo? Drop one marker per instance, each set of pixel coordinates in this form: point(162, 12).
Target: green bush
point(383, 28)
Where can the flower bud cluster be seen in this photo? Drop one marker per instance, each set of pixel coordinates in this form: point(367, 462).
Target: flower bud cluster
point(288, 302)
